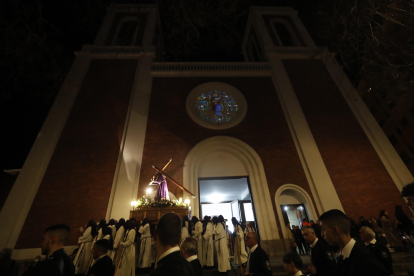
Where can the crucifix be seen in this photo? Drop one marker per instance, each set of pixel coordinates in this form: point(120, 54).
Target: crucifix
point(160, 178)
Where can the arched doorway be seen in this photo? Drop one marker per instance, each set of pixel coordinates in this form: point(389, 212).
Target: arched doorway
point(293, 195)
point(223, 156)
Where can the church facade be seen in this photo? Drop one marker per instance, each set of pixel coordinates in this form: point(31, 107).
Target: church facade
point(287, 118)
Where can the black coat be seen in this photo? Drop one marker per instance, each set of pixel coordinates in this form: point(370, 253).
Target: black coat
point(323, 258)
point(198, 269)
point(382, 254)
point(63, 262)
point(175, 265)
point(360, 263)
point(103, 267)
point(259, 263)
point(43, 268)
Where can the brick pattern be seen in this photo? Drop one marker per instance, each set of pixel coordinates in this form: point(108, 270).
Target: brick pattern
point(172, 134)
point(78, 181)
point(360, 179)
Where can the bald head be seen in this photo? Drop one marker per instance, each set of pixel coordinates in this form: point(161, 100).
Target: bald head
point(189, 247)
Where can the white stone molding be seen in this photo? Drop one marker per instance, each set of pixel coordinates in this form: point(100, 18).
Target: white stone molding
point(117, 52)
point(222, 87)
point(185, 69)
point(105, 27)
point(150, 28)
point(308, 201)
point(386, 152)
point(321, 185)
point(128, 169)
point(253, 165)
point(18, 203)
point(121, 24)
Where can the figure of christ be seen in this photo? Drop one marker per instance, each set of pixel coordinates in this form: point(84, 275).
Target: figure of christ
point(162, 191)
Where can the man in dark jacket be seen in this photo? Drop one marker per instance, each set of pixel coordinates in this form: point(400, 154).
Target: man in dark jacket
point(57, 261)
point(166, 239)
point(257, 261)
point(352, 259)
point(103, 263)
point(189, 249)
point(379, 250)
point(322, 256)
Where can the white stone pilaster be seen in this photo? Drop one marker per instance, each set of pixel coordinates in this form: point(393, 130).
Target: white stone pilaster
point(125, 184)
point(385, 150)
point(18, 203)
point(318, 177)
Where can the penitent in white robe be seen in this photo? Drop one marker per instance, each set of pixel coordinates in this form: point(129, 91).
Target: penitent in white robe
point(198, 230)
point(208, 246)
point(119, 236)
point(239, 245)
point(126, 266)
point(220, 242)
point(145, 254)
point(184, 233)
point(82, 257)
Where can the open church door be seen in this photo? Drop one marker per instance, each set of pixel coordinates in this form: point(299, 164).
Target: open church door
point(235, 209)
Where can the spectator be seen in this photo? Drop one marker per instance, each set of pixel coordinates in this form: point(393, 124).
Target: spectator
point(406, 222)
point(393, 238)
point(298, 239)
point(291, 238)
point(380, 251)
point(408, 193)
point(166, 240)
point(8, 267)
point(258, 261)
point(57, 261)
point(292, 263)
point(305, 223)
point(103, 263)
point(322, 255)
point(189, 249)
point(352, 259)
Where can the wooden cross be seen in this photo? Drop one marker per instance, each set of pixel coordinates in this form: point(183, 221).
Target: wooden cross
point(169, 178)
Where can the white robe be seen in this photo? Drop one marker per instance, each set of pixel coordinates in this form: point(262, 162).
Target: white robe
point(220, 241)
point(82, 257)
point(145, 254)
point(198, 230)
point(126, 266)
point(208, 246)
point(240, 245)
point(184, 233)
point(119, 236)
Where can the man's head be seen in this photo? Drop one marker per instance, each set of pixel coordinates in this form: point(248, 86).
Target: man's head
point(366, 234)
point(292, 263)
point(361, 218)
point(54, 238)
point(100, 248)
point(293, 227)
point(168, 232)
point(334, 225)
point(251, 239)
point(408, 193)
point(189, 247)
point(308, 234)
point(288, 225)
point(6, 253)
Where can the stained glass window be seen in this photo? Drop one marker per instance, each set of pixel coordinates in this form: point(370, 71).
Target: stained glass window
point(216, 107)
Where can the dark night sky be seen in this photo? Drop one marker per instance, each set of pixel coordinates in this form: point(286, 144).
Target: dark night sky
point(37, 56)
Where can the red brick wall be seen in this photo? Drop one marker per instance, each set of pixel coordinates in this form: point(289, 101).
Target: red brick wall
point(172, 134)
point(360, 179)
point(78, 181)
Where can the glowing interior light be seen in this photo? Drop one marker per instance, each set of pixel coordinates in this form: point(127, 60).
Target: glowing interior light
point(180, 200)
point(187, 201)
point(286, 208)
point(149, 190)
point(133, 203)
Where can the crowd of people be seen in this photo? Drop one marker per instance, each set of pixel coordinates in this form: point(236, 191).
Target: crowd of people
point(179, 246)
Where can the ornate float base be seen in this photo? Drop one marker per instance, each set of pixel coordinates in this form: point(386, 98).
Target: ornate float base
point(154, 213)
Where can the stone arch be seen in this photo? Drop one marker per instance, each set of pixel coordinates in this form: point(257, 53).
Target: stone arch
point(300, 195)
point(249, 162)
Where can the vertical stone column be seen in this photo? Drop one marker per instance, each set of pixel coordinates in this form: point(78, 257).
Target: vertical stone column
point(319, 180)
point(20, 199)
point(125, 185)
